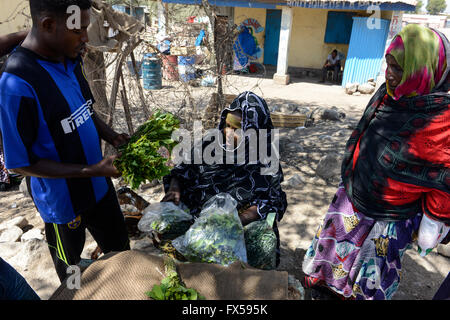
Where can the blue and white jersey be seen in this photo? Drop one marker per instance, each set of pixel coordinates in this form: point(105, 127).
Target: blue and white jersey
point(46, 113)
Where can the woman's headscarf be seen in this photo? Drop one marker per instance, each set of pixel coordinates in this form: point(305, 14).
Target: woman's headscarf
point(244, 182)
point(421, 54)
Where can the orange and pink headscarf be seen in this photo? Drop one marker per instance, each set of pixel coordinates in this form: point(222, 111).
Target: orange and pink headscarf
point(421, 54)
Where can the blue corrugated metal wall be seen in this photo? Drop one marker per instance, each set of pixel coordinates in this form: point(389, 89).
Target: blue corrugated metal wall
point(366, 51)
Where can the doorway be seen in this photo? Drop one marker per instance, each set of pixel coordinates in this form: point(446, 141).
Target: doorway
point(272, 37)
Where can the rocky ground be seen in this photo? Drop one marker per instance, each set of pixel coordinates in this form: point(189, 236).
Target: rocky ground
point(310, 158)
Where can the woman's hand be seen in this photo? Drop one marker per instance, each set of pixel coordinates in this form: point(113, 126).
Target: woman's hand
point(172, 196)
point(174, 192)
point(249, 215)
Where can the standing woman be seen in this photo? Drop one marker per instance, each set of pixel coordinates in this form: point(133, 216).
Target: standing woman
point(395, 172)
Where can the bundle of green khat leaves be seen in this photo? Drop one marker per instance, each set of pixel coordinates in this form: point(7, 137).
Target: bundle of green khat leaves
point(171, 287)
point(140, 160)
point(166, 219)
point(261, 243)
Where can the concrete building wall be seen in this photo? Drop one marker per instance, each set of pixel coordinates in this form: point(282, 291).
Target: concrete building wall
point(307, 46)
point(14, 16)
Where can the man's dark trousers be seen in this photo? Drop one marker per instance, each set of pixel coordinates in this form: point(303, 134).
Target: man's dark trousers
point(336, 68)
point(106, 224)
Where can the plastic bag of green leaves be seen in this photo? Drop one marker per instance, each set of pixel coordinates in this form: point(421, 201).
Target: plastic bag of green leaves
point(217, 235)
point(166, 219)
point(261, 243)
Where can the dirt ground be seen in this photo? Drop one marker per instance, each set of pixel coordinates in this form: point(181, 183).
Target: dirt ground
point(307, 203)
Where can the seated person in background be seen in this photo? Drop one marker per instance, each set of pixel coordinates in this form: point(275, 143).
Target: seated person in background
point(257, 195)
point(333, 63)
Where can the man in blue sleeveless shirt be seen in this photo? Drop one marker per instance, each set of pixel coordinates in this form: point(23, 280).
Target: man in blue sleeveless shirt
point(52, 134)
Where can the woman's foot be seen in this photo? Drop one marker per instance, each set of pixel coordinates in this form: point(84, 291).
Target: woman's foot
point(317, 290)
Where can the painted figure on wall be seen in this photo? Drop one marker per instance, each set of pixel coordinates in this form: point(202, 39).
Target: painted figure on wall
point(246, 47)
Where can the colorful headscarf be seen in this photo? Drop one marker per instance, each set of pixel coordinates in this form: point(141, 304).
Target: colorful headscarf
point(421, 54)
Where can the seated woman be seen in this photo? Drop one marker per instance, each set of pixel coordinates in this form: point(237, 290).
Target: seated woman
point(396, 171)
point(257, 194)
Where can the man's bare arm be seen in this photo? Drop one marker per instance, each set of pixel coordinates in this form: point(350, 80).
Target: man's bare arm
point(45, 168)
point(108, 134)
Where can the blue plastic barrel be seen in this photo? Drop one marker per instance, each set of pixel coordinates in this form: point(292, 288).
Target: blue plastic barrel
point(186, 68)
point(151, 73)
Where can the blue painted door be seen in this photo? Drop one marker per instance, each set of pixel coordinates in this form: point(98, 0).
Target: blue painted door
point(366, 51)
point(273, 26)
point(339, 27)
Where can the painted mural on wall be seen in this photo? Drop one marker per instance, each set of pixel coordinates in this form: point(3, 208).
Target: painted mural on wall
point(254, 24)
point(246, 47)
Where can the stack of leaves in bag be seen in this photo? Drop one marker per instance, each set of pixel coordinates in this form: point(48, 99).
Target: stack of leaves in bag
point(168, 227)
point(214, 238)
point(261, 243)
point(140, 160)
point(166, 219)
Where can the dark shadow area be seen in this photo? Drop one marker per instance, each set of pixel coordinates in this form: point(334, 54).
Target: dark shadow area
point(27, 228)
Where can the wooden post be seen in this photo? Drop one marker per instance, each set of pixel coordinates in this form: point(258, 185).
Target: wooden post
point(140, 90)
point(95, 71)
point(118, 71)
point(126, 107)
point(107, 148)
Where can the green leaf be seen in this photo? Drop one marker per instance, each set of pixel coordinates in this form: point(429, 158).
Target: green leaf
point(193, 294)
point(156, 293)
